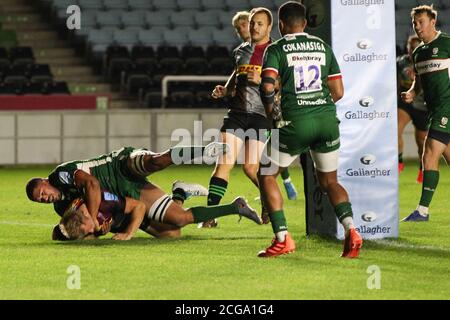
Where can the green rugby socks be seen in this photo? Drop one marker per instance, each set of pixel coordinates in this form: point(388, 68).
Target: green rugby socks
point(279, 225)
point(217, 189)
point(430, 182)
point(202, 214)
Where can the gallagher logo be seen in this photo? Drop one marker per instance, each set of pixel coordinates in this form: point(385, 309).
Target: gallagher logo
point(368, 159)
point(369, 216)
point(364, 44)
point(366, 101)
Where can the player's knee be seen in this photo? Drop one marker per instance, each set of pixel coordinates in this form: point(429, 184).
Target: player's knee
point(179, 217)
point(250, 170)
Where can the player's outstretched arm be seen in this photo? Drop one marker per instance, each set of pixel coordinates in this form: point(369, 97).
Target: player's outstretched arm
point(92, 192)
point(136, 209)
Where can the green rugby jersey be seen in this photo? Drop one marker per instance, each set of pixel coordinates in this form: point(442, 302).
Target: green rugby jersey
point(432, 65)
point(106, 168)
point(304, 64)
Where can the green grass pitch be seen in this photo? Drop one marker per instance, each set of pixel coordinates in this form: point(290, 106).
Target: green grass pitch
point(220, 263)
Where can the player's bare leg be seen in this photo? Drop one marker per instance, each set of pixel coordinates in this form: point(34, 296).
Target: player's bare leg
point(161, 208)
point(253, 152)
point(273, 199)
point(326, 168)
point(339, 200)
point(142, 163)
point(219, 181)
point(403, 119)
point(433, 151)
point(420, 136)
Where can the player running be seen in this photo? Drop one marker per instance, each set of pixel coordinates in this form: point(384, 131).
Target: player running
point(311, 83)
point(432, 75)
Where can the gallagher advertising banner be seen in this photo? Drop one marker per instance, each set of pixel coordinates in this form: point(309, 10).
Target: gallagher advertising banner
point(363, 40)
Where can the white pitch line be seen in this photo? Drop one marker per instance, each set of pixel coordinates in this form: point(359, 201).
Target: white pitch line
point(409, 246)
point(17, 223)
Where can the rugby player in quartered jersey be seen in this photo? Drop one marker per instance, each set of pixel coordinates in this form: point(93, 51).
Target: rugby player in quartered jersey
point(432, 75)
point(245, 126)
point(415, 112)
point(120, 215)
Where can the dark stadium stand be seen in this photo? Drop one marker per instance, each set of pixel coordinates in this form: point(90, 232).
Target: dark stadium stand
point(132, 44)
point(19, 74)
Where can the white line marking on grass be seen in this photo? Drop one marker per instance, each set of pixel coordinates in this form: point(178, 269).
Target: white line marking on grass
point(409, 246)
point(17, 223)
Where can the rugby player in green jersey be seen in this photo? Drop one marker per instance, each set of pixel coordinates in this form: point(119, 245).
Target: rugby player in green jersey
point(311, 83)
point(123, 172)
point(432, 74)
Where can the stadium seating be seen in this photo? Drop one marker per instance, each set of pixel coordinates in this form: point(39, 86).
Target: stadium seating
point(165, 4)
point(115, 4)
point(213, 4)
point(135, 19)
point(8, 39)
point(189, 5)
point(209, 18)
point(406, 4)
point(237, 5)
point(172, 37)
point(90, 4)
point(20, 75)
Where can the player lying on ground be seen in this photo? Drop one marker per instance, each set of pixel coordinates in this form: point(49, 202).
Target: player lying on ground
point(123, 172)
point(123, 216)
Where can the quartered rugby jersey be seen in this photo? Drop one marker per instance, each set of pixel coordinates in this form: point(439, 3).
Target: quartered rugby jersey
point(405, 69)
point(432, 65)
point(248, 58)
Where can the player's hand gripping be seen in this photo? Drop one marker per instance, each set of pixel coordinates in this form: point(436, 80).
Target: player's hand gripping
point(219, 92)
point(122, 236)
point(408, 96)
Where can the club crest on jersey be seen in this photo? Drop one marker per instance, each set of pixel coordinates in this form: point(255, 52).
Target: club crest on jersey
point(444, 122)
point(435, 51)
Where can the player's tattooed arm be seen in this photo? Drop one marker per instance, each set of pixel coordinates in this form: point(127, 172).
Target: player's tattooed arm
point(92, 192)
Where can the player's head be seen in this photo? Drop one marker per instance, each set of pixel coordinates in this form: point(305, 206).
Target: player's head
point(424, 22)
point(40, 190)
point(240, 24)
point(412, 43)
point(76, 222)
point(260, 25)
point(292, 17)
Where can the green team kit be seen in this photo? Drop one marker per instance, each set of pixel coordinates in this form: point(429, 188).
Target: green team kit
point(304, 64)
point(110, 170)
point(432, 66)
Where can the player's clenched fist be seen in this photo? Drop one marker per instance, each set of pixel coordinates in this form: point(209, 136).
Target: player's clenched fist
point(408, 96)
point(219, 92)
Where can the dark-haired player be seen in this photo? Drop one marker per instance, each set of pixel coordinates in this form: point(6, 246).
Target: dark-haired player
point(311, 83)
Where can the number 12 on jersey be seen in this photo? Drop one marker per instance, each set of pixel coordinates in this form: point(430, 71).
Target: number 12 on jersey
point(307, 71)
